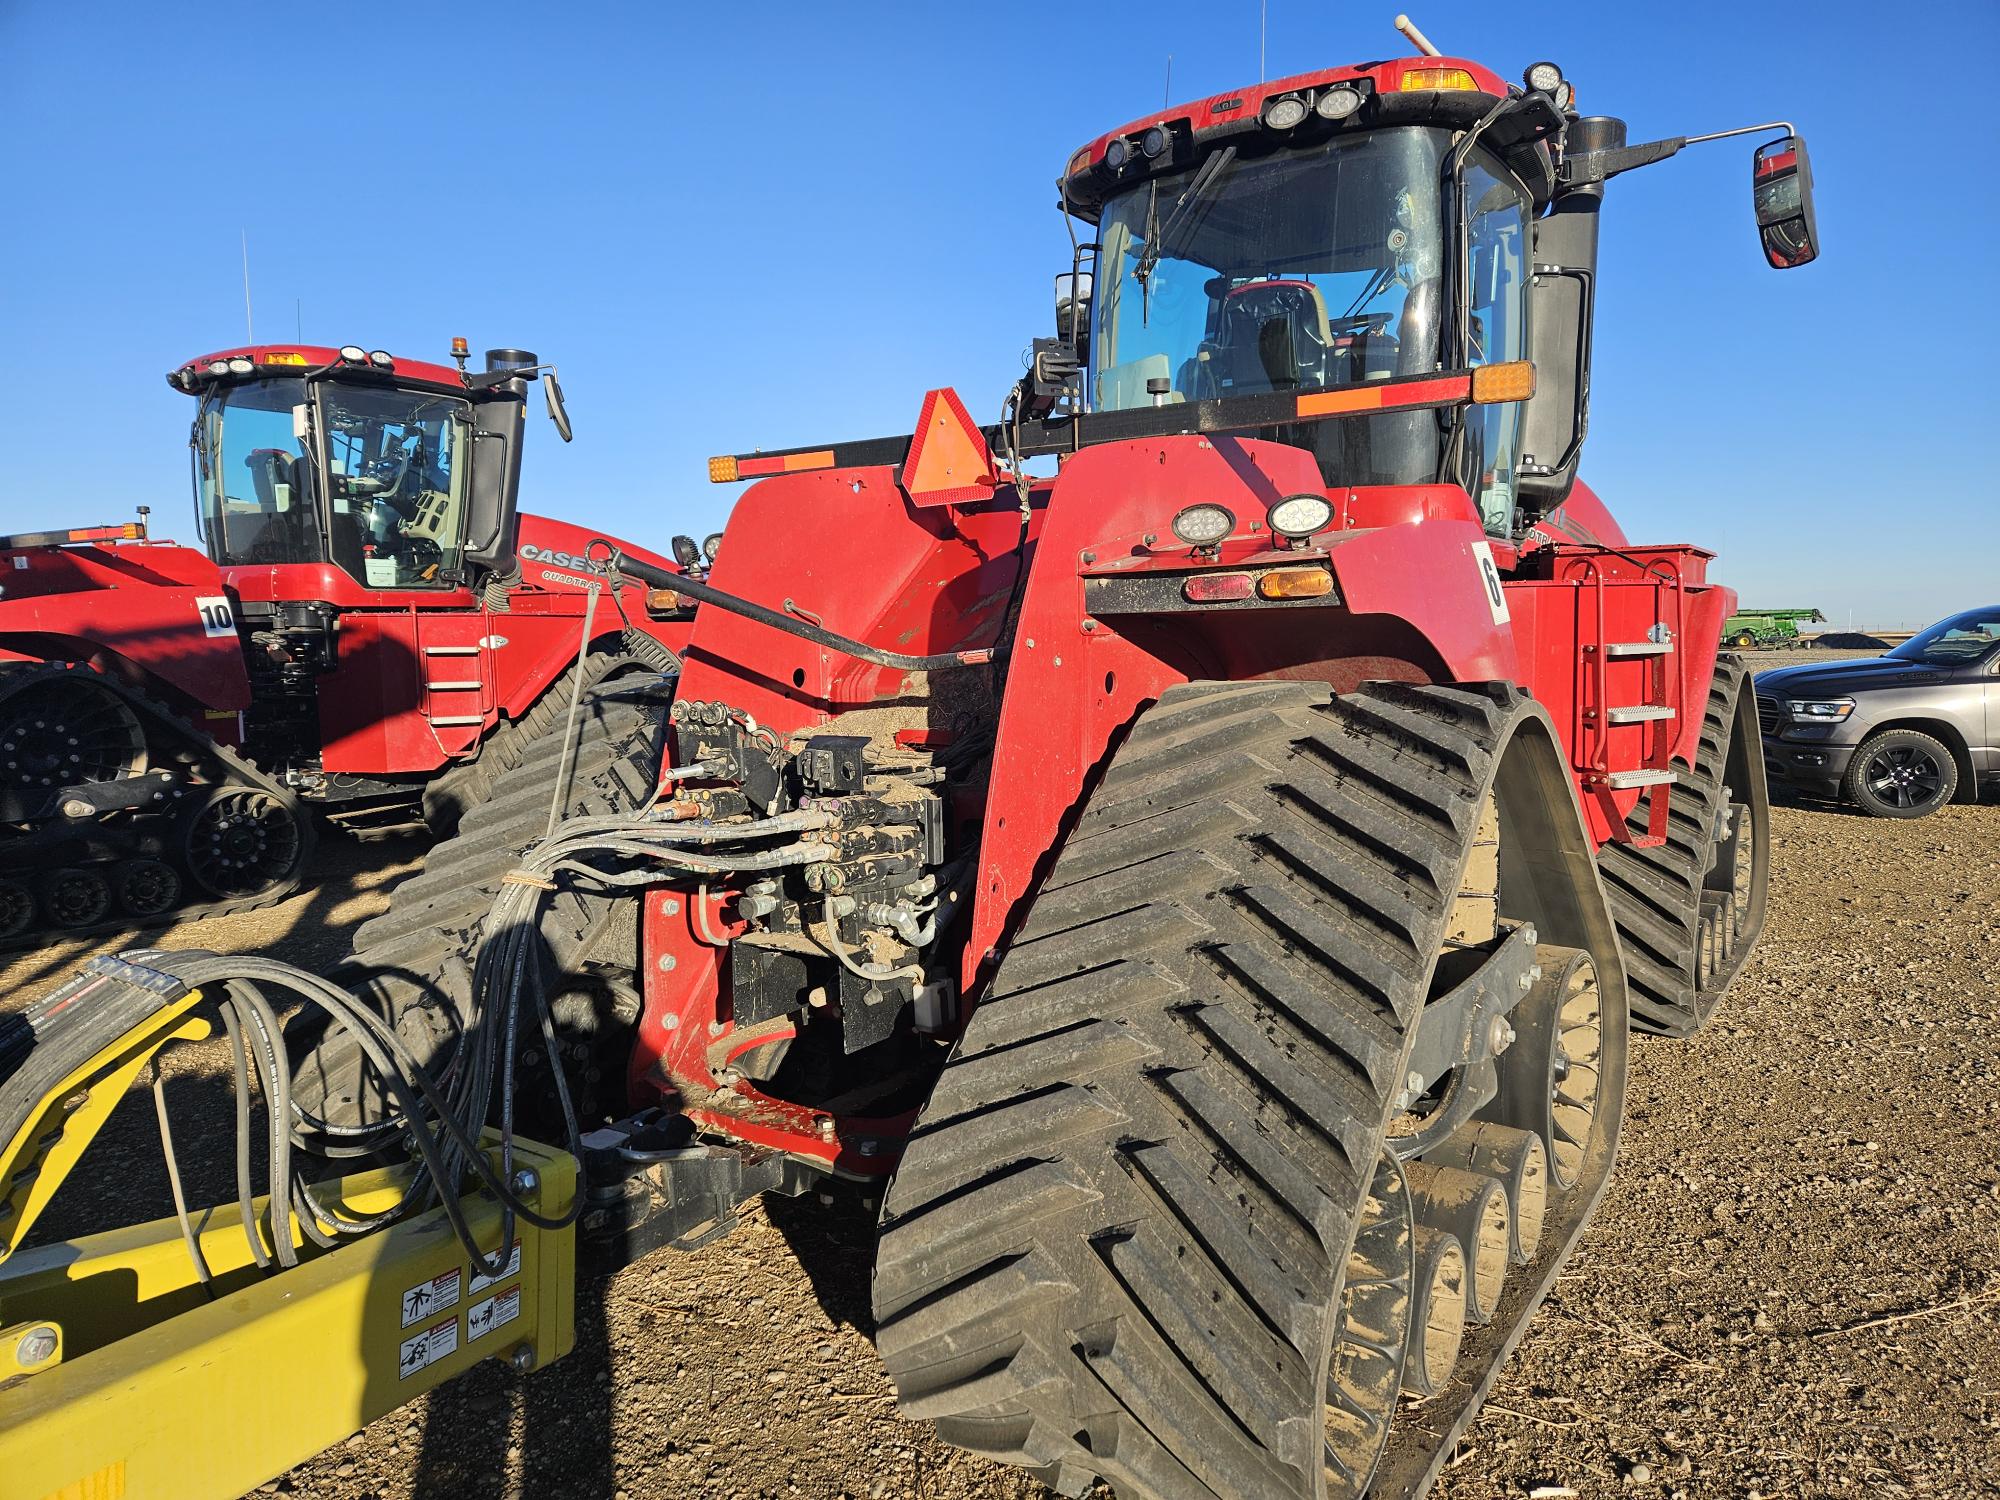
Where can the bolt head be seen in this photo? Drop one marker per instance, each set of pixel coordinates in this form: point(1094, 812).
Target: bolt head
point(522, 1359)
point(666, 963)
point(525, 1180)
point(671, 908)
point(36, 1346)
point(1499, 1036)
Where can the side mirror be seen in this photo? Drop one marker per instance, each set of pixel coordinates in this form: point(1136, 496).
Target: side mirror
point(1781, 188)
point(1073, 291)
point(558, 413)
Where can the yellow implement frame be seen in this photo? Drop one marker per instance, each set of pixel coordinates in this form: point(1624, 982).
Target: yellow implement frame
point(120, 1374)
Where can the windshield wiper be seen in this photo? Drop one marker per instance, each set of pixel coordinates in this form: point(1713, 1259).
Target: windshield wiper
point(1191, 196)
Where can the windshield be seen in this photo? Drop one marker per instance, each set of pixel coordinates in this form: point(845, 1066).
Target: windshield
point(1959, 640)
point(397, 464)
point(252, 477)
point(1316, 267)
point(394, 514)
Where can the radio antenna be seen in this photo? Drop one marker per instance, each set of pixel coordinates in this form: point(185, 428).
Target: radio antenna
point(1417, 39)
point(1263, 14)
point(249, 327)
point(1168, 101)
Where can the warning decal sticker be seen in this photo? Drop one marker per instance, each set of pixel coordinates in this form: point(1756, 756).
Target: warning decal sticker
point(501, 1308)
point(481, 1281)
point(427, 1348)
point(428, 1297)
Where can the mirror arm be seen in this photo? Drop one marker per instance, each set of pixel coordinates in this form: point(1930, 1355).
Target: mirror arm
point(1595, 166)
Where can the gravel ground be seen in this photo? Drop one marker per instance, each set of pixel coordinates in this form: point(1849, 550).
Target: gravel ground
point(1790, 1287)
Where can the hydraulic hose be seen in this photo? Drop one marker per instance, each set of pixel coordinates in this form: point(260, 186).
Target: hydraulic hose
point(819, 635)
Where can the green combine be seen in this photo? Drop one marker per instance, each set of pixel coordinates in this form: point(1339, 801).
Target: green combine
point(1766, 627)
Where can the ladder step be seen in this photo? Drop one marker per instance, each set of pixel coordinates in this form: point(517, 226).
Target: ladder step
point(1621, 649)
point(451, 719)
point(1616, 780)
point(458, 687)
point(1644, 713)
point(451, 650)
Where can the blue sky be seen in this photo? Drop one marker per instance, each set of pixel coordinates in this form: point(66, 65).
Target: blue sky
point(773, 224)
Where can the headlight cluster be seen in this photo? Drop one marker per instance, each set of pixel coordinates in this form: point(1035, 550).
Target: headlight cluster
point(1294, 518)
point(1819, 710)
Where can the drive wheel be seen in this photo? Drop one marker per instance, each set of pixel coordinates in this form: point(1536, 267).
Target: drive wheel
point(78, 897)
point(1148, 1228)
point(67, 730)
point(1902, 773)
point(242, 840)
point(1743, 640)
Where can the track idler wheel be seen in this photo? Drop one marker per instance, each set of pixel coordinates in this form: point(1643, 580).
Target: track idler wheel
point(1438, 1325)
point(240, 840)
point(1517, 1160)
point(146, 887)
point(1549, 1076)
point(1472, 1208)
point(75, 897)
point(17, 909)
point(1372, 1337)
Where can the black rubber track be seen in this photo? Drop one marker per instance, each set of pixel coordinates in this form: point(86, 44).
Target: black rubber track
point(465, 786)
point(1114, 1246)
point(414, 961)
point(238, 769)
point(1655, 893)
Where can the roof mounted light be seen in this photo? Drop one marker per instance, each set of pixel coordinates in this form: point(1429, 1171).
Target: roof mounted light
point(1117, 154)
point(379, 358)
point(710, 545)
point(242, 364)
point(1542, 77)
point(1297, 517)
point(218, 367)
point(354, 354)
point(1338, 103)
point(1284, 112)
point(1204, 525)
point(1154, 141)
point(1416, 79)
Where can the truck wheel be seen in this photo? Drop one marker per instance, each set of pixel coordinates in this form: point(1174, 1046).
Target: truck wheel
point(1902, 773)
point(1690, 911)
point(1743, 640)
point(1155, 1224)
point(414, 961)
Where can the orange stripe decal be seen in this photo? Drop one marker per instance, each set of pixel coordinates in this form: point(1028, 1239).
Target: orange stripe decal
point(1327, 403)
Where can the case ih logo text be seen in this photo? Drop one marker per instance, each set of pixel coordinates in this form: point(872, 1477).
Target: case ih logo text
point(531, 553)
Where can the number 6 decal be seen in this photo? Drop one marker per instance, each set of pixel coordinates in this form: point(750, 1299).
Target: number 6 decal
point(1489, 582)
point(217, 618)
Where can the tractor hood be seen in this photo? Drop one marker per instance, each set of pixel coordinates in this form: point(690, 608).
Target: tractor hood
point(1833, 678)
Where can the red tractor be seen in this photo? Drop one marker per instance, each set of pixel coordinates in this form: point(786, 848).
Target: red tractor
point(372, 628)
point(1208, 890)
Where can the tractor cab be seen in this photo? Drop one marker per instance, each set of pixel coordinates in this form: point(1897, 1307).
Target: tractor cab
point(1351, 228)
point(401, 475)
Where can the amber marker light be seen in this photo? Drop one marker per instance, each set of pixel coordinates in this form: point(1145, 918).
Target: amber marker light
point(1296, 583)
point(1514, 381)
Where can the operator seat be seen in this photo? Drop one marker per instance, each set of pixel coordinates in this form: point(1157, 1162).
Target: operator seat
point(1271, 336)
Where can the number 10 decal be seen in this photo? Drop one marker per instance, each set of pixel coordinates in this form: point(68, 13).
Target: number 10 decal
point(217, 618)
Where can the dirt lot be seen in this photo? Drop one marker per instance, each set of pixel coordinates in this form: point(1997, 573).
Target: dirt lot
point(1790, 1289)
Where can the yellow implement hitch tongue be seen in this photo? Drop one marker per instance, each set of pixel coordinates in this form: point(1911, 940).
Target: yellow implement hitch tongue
point(303, 1314)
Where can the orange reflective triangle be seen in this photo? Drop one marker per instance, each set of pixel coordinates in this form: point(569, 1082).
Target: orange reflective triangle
point(949, 461)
